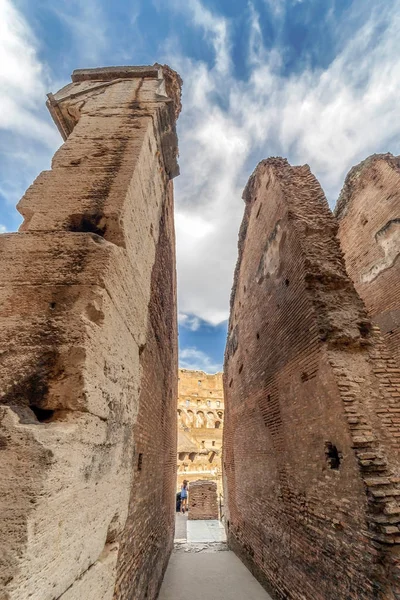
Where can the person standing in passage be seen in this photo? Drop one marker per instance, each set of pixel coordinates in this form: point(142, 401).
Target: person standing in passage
point(184, 496)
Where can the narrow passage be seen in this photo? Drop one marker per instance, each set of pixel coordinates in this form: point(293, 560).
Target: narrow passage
point(201, 566)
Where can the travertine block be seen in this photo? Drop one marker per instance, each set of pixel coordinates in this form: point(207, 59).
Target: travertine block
point(88, 345)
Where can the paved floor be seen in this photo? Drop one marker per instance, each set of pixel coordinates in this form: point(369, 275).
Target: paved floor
point(205, 531)
point(180, 527)
point(209, 576)
point(202, 568)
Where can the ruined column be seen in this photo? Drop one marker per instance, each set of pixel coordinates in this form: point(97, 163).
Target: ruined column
point(312, 429)
point(203, 500)
point(88, 349)
point(368, 211)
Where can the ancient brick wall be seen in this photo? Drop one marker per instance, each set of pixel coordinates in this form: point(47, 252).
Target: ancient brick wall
point(368, 211)
point(203, 501)
point(311, 434)
point(88, 349)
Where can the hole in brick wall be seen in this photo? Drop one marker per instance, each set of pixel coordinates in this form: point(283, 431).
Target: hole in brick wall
point(258, 336)
point(43, 415)
point(140, 461)
point(230, 383)
point(113, 530)
point(364, 329)
point(52, 305)
point(333, 456)
point(240, 368)
point(245, 289)
point(87, 224)
point(304, 376)
point(287, 282)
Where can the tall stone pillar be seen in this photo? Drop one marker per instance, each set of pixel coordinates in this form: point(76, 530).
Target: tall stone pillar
point(312, 428)
point(368, 211)
point(88, 349)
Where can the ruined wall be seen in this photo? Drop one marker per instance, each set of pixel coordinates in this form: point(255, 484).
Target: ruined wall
point(200, 425)
point(203, 500)
point(368, 211)
point(88, 309)
point(312, 406)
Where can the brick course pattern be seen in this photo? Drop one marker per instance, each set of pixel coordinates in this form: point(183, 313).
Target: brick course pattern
point(88, 343)
point(368, 211)
point(203, 501)
point(312, 406)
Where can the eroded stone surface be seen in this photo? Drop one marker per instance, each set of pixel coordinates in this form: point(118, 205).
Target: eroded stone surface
point(368, 211)
point(88, 349)
point(312, 405)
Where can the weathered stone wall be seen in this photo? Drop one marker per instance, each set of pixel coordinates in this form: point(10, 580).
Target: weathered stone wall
point(88, 349)
point(368, 211)
point(203, 501)
point(312, 430)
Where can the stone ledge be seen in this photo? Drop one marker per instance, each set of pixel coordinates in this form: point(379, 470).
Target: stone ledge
point(109, 73)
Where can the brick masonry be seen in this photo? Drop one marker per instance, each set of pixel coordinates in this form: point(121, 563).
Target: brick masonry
point(203, 501)
point(312, 404)
point(368, 211)
point(89, 349)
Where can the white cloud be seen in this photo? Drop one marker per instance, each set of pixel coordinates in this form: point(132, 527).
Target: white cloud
point(3, 229)
point(215, 28)
point(22, 79)
point(189, 322)
point(194, 359)
point(88, 26)
point(330, 119)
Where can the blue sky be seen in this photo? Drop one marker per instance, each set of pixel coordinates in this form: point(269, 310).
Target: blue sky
point(316, 81)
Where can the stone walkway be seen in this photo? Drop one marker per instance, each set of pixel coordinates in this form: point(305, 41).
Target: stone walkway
point(202, 568)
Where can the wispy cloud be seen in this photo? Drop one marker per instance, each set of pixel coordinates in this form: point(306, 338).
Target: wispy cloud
point(192, 358)
point(215, 28)
point(87, 25)
point(22, 79)
point(329, 118)
point(189, 322)
point(27, 136)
